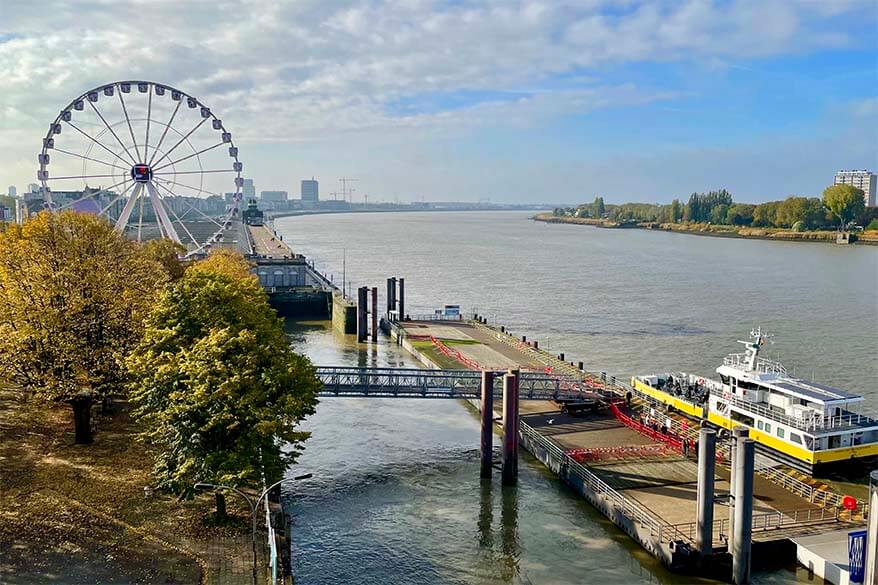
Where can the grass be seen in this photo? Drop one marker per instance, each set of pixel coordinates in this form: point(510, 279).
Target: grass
point(440, 359)
point(78, 514)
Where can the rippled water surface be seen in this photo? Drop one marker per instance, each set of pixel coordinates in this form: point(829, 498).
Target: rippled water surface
point(396, 496)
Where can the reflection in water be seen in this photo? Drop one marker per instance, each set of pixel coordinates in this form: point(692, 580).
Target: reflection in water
point(509, 529)
point(486, 516)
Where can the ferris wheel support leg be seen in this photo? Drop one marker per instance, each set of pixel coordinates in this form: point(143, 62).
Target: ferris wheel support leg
point(129, 207)
point(162, 214)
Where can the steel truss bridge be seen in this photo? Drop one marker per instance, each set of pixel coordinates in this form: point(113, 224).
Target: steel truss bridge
point(425, 383)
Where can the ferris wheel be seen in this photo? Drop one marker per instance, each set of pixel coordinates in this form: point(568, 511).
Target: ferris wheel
point(153, 160)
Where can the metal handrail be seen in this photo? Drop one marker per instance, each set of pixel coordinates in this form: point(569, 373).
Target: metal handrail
point(594, 483)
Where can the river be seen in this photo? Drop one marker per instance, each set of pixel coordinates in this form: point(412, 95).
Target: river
point(396, 496)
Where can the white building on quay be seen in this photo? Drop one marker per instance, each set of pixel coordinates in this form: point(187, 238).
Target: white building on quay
point(865, 180)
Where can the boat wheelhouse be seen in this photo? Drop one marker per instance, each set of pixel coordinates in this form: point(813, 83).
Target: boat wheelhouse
point(803, 423)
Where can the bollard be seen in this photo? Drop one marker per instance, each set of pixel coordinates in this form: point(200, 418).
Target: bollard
point(581, 366)
point(502, 329)
point(510, 428)
point(561, 356)
point(705, 493)
point(487, 406)
point(536, 344)
point(374, 313)
point(739, 432)
point(743, 511)
point(524, 338)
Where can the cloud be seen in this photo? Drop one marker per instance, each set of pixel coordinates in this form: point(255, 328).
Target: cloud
point(314, 70)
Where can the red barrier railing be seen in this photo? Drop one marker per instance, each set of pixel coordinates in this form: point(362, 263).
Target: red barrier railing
point(620, 453)
point(673, 440)
point(455, 355)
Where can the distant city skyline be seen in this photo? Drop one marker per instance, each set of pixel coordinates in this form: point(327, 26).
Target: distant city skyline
point(512, 102)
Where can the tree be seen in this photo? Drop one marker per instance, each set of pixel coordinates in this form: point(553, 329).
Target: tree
point(598, 208)
point(805, 211)
point(844, 202)
point(718, 213)
point(73, 297)
point(216, 383)
point(740, 214)
point(676, 211)
point(167, 253)
point(765, 214)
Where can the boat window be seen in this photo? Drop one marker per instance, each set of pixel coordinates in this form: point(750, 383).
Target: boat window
point(780, 432)
point(795, 438)
point(767, 427)
point(759, 425)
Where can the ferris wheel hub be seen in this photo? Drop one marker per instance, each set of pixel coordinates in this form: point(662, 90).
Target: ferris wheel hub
point(141, 173)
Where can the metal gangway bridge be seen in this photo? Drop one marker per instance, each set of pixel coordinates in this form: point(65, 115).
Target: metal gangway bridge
point(376, 382)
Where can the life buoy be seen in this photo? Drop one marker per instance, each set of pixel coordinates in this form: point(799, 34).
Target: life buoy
point(701, 380)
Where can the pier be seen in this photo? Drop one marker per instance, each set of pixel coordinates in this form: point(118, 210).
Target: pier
point(687, 513)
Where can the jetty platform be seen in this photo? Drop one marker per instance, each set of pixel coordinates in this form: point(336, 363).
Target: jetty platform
point(644, 487)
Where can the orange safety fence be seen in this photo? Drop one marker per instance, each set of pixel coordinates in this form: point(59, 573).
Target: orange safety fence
point(672, 440)
point(455, 355)
point(620, 453)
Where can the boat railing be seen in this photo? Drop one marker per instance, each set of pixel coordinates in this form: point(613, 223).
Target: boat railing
point(848, 419)
point(799, 423)
point(762, 365)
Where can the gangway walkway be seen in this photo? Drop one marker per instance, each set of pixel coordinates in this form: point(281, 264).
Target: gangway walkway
point(427, 383)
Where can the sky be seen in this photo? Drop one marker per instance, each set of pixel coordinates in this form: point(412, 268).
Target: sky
point(532, 101)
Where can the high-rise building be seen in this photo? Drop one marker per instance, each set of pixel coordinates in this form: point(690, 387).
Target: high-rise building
point(248, 190)
point(865, 180)
point(273, 196)
point(310, 190)
point(12, 191)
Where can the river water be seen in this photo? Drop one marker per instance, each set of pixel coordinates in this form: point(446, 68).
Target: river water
point(396, 497)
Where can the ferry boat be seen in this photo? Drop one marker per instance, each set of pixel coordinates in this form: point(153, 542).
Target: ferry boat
point(806, 425)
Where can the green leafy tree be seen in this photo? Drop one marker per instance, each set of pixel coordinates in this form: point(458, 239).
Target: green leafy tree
point(73, 298)
point(740, 214)
point(808, 212)
point(719, 213)
point(598, 207)
point(216, 383)
point(765, 214)
point(676, 211)
point(844, 202)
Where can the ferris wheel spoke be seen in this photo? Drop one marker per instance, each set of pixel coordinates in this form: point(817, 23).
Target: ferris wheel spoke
point(188, 156)
point(161, 213)
point(91, 196)
point(113, 132)
point(200, 190)
point(193, 172)
point(179, 142)
point(56, 149)
point(118, 197)
point(183, 225)
point(140, 220)
point(95, 140)
point(192, 207)
point(129, 206)
point(81, 177)
point(148, 116)
point(130, 129)
point(155, 149)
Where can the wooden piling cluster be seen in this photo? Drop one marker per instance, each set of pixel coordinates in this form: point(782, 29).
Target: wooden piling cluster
point(510, 426)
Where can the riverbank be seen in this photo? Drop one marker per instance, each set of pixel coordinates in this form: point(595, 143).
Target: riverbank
point(79, 514)
point(719, 231)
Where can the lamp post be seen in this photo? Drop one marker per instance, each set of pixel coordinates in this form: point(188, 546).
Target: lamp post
point(254, 507)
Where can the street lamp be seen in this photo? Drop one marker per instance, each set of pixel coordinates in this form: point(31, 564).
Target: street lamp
point(254, 506)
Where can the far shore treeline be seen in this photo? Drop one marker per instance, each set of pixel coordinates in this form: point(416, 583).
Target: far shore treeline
point(840, 205)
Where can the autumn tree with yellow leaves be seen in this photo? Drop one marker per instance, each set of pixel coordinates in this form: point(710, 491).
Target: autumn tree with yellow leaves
point(73, 298)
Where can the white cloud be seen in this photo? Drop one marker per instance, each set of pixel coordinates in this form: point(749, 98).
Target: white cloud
point(318, 70)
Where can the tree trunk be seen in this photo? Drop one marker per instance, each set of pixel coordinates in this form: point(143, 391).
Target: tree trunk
point(82, 420)
point(220, 505)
